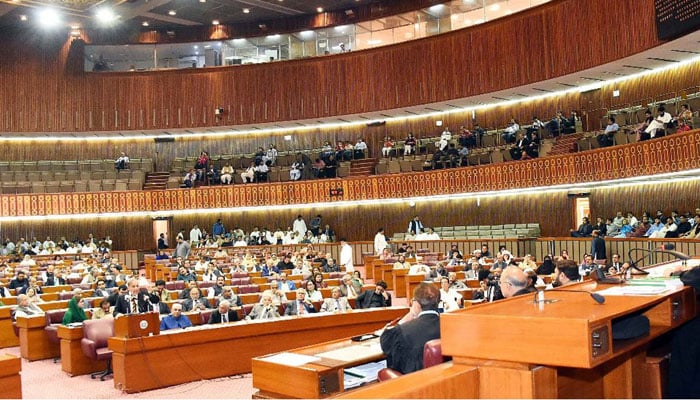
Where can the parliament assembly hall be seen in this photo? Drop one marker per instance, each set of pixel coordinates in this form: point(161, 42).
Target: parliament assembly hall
point(349, 199)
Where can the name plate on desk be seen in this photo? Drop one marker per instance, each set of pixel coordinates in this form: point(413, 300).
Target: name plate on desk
point(137, 325)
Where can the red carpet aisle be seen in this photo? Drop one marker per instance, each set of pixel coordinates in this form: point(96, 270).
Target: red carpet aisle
point(45, 380)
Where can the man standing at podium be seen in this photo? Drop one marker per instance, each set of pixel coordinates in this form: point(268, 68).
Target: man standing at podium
point(403, 344)
point(134, 301)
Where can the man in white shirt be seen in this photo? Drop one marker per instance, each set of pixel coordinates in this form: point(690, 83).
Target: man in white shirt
point(431, 235)
point(122, 162)
point(360, 149)
point(658, 123)
point(346, 256)
point(510, 131)
point(195, 236)
point(380, 242)
point(299, 226)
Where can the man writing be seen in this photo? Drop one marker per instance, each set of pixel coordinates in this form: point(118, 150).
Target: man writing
point(403, 344)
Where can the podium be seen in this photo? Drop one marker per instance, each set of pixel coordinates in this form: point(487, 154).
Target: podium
point(137, 325)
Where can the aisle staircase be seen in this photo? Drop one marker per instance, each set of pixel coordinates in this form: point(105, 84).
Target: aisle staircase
point(156, 181)
point(362, 167)
point(565, 144)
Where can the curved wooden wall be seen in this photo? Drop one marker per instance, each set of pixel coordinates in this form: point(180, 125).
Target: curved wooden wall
point(44, 88)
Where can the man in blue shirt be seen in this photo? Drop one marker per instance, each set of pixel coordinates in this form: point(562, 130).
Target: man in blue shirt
point(175, 319)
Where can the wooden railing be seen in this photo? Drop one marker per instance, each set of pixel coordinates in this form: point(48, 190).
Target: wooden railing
point(678, 152)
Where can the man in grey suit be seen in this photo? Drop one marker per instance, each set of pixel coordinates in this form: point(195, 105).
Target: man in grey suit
point(265, 309)
point(336, 302)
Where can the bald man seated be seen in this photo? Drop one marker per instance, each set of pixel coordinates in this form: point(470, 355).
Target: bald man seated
point(514, 282)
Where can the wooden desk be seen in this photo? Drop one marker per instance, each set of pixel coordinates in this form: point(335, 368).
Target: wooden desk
point(175, 357)
point(73, 360)
point(33, 342)
point(562, 349)
point(7, 333)
point(384, 272)
point(412, 282)
point(10, 380)
point(399, 281)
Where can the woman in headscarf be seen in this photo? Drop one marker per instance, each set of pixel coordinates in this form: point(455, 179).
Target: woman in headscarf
point(75, 312)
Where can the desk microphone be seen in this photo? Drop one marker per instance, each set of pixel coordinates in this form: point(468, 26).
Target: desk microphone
point(599, 298)
point(599, 276)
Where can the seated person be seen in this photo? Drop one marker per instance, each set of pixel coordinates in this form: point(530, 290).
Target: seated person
point(388, 146)
point(336, 302)
point(295, 171)
point(261, 172)
point(606, 138)
point(228, 295)
point(223, 314)
point(196, 302)
point(374, 298)
point(584, 230)
point(409, 145)
point(213, 175)
point(312, 292)
point(566, 273)
point(349, 288)
point(103, 311)
point(227, 174)
point(420, 269)
point(25, 308)
point(515, 282)
point(510, 131)
point(190, 178)
point(300, 306)
point(403, 344)
point(75, 312)
point(249, 173)
point(656, 127)
point(175, 319)
point(449, 298)
point(122, 162)
point(264, 309)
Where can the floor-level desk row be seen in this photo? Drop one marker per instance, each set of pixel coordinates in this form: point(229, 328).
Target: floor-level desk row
point(212, 351)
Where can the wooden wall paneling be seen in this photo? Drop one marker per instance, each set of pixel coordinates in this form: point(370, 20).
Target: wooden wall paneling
point(439, 68)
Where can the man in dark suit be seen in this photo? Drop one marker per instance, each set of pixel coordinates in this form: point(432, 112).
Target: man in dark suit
point(134, 301)
point(223, 314)
point(374, 298)
point(598, 246)
point(403, 344)
point(300, 306)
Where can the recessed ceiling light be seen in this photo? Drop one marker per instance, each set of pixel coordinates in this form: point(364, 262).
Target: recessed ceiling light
point(202, 1)
point(22, 17)
point(105, 15)
point(319, 9)
point(215, 22)
point(144, 23)
point(49, 17)
point(172, 12)
point(246, 10)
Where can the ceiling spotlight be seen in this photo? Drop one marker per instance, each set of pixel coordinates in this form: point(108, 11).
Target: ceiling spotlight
point(172, 12)
point(246, 10)
point(319, 9)
point(215, 22)
point(22, 17)
point(49, 17)
point(202, 1)
point(105, 15)
point(144, 23)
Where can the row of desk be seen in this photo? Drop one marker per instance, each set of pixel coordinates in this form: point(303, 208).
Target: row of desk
point(514, 348)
